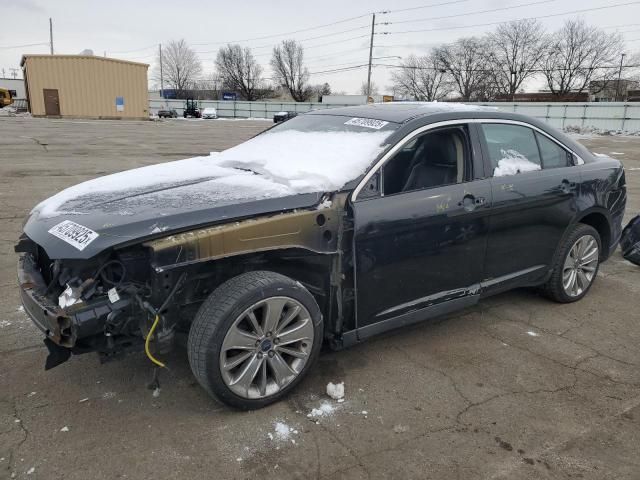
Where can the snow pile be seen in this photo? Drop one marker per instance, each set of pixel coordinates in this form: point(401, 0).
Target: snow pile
point(273, 164)
point(513, 162)
point(335, 391)
point(324, 410)
point(283, 431)
point(587, 131)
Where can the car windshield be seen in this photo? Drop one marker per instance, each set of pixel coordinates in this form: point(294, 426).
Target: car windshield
point(312, 153)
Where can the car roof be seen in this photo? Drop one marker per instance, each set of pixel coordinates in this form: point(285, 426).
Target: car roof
point(401, 112)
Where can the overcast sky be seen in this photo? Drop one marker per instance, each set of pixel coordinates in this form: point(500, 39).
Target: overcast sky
point(133, 29)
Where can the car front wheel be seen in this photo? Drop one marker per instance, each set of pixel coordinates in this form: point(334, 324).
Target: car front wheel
point(576, 265)
point(254, 339)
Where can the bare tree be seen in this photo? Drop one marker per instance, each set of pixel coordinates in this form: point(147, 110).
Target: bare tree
point(465, 62)
point(374, 89)
point(289, 71)
point(580, 54)
point(515, 51)
point(181, 66)
point(321, 90)
point(239, 71)
point(421, 78)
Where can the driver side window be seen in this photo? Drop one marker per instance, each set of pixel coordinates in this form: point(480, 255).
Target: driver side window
point(431, 160)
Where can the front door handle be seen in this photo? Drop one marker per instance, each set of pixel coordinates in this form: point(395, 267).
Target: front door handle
point(470, 202)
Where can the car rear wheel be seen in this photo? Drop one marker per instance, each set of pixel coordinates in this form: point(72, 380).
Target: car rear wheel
point(254, 339)
point(576, 265)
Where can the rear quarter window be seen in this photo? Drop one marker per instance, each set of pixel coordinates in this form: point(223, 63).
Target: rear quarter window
point(553, 155)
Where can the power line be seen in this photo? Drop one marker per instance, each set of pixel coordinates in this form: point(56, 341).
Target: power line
point(517, 19)
point(422, 7)
point(493, 70)
point(286, 33)
point(477, 12)
point(23, 46)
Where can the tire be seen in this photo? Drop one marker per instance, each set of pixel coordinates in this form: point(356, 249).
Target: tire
point(224, 320)
point(564, 263)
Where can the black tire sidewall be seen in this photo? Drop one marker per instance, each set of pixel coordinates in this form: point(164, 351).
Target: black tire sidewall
point(278, 286)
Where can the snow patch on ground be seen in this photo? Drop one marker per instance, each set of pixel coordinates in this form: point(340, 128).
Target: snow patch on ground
point(533, 334)
point(587, 132)
point(616, 153)
point(5, 323)
point(513, 162)
point(324, 410)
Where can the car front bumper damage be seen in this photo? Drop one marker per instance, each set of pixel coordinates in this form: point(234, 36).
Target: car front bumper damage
point(62, 327)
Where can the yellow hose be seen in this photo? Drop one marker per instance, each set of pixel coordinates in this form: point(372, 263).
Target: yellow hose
point(146, 343)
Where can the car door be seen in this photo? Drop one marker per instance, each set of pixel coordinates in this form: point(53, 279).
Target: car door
point(420, 239)
point(534, 195)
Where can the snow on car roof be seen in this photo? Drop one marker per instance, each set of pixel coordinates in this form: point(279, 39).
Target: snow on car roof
point(402, 111)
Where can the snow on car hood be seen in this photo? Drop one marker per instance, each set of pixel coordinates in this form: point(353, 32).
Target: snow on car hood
point(271, 165)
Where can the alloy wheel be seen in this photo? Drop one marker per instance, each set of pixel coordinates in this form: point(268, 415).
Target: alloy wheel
point(580, 266)
point(266, 347)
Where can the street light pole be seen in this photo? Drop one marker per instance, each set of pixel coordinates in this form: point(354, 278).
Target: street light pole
point(619, 78)
point(161, 73)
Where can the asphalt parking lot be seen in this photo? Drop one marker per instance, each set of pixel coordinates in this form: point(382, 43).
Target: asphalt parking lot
point(517, 387)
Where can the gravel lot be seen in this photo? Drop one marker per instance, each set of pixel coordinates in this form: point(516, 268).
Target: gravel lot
point(517, 387)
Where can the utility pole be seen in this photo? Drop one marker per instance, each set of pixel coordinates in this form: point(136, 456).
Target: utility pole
point(373, 28)
point(619, 78)
point(161, 73)
point(51, 35)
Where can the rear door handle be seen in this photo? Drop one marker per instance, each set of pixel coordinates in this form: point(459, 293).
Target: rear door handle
point(566, 186)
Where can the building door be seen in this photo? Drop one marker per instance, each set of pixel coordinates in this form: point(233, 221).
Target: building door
point(51, 102)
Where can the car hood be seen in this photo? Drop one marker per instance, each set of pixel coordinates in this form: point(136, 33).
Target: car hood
point(129, 216)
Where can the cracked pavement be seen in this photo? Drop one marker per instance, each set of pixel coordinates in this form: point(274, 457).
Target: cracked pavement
point(516, 387)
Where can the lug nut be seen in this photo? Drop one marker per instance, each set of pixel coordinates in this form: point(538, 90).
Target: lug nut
point(276, 341)
point(271, 353)
point(260, 355)
point(269, 334)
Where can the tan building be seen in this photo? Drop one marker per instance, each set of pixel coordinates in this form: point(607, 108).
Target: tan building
point(85, 86)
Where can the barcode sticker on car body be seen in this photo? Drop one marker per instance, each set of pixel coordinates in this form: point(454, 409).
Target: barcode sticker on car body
point(366, 122)
point(74, 234)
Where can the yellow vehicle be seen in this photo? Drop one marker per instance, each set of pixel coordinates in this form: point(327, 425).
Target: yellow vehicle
point(5, 97)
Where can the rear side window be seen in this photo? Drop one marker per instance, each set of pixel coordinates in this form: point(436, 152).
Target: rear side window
point(512, 149)
point(553, 155)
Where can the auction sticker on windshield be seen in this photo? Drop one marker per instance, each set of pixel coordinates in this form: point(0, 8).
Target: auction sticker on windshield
point(366, 122)
point(74, 234)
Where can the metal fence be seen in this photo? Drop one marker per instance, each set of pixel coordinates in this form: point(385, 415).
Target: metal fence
point(230, 109)
point(606, 115)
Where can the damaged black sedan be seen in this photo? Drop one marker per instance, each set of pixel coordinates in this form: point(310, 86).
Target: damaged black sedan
point(328, 228)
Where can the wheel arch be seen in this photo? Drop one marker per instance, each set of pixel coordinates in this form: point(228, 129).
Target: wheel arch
point(600, 220)
point(311, 269)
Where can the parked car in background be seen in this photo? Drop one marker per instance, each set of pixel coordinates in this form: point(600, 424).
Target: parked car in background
point(167, 113)
point(209, 112)
point(283, 116)
point(332, 227)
